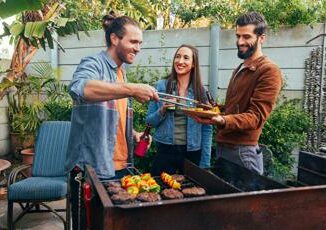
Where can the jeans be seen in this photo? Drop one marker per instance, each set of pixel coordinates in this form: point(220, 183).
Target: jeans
point(170, 158)
point(249, 156)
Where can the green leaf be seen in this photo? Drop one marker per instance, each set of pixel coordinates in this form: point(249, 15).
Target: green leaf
point(11, 7)
point(39, 28)
point(5, 84)
point(33, 42)
point(42, 43)
point(49, 38)
point(16, 29)
point(11, 40)
point(52, 10)
point(28, 30)
point(5, 29)
point(35, 29)
point(62, 22)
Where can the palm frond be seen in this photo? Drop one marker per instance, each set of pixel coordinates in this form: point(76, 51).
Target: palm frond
point(43, 70)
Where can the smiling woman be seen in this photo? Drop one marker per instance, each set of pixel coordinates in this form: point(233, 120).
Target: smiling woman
point(178, 136)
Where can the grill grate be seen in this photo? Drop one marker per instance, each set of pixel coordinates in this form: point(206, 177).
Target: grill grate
point(186, 183)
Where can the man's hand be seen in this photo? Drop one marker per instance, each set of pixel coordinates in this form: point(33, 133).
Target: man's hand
point(143, 92)
point(217, 120)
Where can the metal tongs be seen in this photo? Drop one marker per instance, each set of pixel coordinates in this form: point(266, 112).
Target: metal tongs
point(193, 103)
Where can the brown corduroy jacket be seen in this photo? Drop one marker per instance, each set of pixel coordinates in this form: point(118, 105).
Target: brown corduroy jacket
point(250, 98)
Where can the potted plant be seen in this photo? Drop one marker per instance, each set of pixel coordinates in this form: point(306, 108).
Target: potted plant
point(26, 107)
point(20, 127)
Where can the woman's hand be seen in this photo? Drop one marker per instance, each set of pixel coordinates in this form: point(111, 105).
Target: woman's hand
point(165, 106)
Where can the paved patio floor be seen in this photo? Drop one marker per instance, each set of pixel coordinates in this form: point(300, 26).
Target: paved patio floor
point(33, 221)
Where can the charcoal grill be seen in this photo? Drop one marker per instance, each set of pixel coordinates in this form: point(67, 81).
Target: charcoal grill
point(236, 199)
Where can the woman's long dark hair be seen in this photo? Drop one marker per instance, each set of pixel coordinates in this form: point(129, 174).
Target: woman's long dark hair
point(195, 77)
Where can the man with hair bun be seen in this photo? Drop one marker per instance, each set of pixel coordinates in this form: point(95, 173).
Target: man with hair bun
point(101, 125)
point(251, 95)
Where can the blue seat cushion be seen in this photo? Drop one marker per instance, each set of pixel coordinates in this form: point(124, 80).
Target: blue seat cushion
point(38, 189)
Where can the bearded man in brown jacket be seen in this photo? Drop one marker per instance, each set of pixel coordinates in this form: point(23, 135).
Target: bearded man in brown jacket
point(251, 95)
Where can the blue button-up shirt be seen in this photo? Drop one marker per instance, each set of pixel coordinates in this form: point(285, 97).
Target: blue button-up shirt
point(94, 124)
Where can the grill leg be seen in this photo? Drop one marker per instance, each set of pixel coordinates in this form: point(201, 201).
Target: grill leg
point(67, 225)
point(10, 223)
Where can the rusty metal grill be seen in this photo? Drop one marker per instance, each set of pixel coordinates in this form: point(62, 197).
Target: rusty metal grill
point(236, 199)
point(242, 178)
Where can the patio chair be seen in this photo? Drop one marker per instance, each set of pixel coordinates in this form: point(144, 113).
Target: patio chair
point(48, 181)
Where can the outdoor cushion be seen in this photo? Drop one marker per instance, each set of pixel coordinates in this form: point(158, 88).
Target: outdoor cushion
point(38, 188)
point(50, 150)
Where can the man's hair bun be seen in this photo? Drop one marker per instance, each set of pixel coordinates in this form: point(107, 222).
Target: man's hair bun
point(108, 19)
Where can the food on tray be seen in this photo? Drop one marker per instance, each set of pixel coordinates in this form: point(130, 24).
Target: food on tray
point(113, 184)
point(215, 109)
point(193, 191)
point(155, 188)
point(146, 176)
point(170, 181)
point(179, 178)
point(134, 190)
point(114, 187)
point(123, 198)
point(115, 190)
point(148, 197)
point(140, 183)
point(201, 112)
point(171, 193)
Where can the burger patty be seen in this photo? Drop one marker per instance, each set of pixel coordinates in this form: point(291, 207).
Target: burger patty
point(148, 197)
point(171, 194)
point(123, 198)
point(113, 184)
point(193, 191)
point(115, 190)
point(114, 187)
point(179, 178)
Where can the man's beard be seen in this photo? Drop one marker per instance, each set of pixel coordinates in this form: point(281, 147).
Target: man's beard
point(123, 57)
point(250, 51)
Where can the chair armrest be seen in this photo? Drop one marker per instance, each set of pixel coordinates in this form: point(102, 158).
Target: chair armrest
point(15, 172)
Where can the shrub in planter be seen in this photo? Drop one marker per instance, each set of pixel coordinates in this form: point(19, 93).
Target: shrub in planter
point(285, 130)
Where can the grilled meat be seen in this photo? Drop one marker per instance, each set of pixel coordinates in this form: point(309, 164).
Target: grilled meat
point(123, 198)
point(171, 194)
point(193, 191)
point(179, 178)
point(113, 184)
point(148, 197)
point(115, 190)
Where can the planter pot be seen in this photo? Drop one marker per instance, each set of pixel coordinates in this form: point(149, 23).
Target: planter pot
point(19, 142)
point(27, 158)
